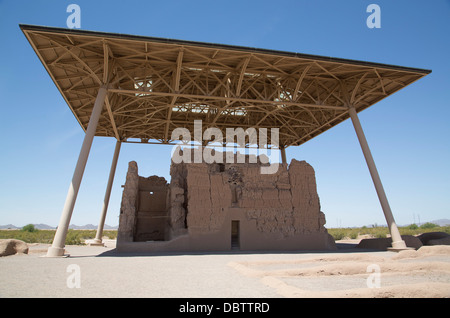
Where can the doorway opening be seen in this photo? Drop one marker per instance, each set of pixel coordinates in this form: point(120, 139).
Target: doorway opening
point(235, 235)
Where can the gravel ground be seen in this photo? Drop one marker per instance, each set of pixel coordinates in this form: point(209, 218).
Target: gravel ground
point(101, 272)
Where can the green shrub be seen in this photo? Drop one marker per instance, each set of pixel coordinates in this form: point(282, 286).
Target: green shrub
point(365, 230)
point(412, 227)
point(111, 234)
point(337, 235)
point(29, 228)
point(380, 234)
point(74, 237)
point(445, 229)
point(428, 225)
point(340, 233)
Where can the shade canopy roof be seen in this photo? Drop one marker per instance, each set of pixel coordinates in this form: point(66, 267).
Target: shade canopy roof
point(156, 85)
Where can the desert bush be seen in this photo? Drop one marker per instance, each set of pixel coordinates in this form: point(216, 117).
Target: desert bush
point(74, 237)
point(29, 228)
point(412, 227)
point(445, 229)
point(428, 225)
point(111, 234)
point(380, 234)
point(40, 236)
point(337, 234)
point(365, 230)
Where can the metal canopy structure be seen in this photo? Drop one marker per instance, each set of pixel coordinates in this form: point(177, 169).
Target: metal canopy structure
point(156, 85)
point(150, 86)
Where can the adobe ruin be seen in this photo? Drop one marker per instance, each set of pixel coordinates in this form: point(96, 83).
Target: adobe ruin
point(222, 206)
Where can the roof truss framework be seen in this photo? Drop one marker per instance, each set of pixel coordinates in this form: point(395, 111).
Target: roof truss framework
point(156, 85)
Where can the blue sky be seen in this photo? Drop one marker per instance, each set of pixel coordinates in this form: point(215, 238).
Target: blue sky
point(408, 132)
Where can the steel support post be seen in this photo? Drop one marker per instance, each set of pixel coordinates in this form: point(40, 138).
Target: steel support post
point(101, 224)
point(397, 241)
point(57, 248)
point(283, 155)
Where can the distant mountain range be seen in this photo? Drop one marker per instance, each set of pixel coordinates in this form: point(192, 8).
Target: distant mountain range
point(71, 226)
point(440, 222)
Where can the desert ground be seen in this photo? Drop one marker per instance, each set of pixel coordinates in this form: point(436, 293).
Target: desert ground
point(349, 272)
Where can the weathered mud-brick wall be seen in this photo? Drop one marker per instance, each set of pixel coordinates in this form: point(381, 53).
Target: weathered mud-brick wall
point(305, 200)
point(267, 199)
point(285, 203)
point(177, 199)
point(143, 211)
point(208, 195)
point(152, 216)
point(274, 211)
point(128, 208)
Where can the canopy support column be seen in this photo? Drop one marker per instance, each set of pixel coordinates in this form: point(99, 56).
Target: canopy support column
point(101, 224)
point(57, 248)
point(397, 241)
point(283, 155)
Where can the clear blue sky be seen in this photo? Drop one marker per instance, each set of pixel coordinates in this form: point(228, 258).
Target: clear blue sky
point(408, 132)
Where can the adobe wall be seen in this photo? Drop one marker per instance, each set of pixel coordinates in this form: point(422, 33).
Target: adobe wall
point(278, 211)
point(144, 208)
point(128, 206)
